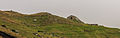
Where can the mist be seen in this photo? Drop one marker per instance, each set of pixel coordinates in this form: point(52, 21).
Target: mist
point(105, 12)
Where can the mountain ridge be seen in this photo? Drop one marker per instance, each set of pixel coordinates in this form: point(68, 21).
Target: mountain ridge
point(46, 25)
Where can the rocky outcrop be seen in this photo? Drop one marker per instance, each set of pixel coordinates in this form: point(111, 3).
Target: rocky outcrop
point(74, 18)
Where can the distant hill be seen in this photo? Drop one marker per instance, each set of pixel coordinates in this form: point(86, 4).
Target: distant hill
point(46, 25)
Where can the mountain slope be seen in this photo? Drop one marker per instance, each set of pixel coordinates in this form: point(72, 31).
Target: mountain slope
point(46, 25)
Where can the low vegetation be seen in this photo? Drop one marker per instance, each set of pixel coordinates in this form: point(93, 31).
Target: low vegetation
point(46, 25)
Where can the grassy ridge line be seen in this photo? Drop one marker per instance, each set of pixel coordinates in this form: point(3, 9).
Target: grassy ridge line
point(52, 26)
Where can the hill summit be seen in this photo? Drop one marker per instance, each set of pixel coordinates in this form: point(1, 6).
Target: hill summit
point(46, 25)
point(74, 18)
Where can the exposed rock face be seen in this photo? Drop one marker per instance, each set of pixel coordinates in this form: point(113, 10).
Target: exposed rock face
point(74, 18)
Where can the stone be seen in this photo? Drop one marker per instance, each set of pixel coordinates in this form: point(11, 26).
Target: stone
point(3, 26)
point(14, 31)
point(40, 31)
point(74, 18)
point(35, 20)
point(35, 33)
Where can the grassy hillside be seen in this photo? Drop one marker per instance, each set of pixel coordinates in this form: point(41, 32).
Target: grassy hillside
point(46, 25)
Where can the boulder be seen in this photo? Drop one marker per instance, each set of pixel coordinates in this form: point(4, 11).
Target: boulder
point(34, 20)
point(3, 26)
point(74, 18)
point(16, 31)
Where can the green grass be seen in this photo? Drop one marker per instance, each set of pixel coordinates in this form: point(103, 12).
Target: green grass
point(52, 26)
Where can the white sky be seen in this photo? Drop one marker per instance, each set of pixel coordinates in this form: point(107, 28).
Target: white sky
point(105, 12)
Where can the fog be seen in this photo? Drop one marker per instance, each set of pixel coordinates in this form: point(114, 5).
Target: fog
point(105, 12)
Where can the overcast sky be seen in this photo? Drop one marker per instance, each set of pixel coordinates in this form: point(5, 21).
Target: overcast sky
point(106, 12)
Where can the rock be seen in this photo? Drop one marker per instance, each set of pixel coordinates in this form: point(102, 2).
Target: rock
point(38, 35)
point(35, 33)
point(40, 31)
point(52, 34)
point(74, 18)
point(3, 26)
point(34, 20)
point(14, 31)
